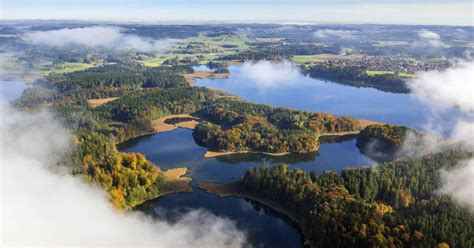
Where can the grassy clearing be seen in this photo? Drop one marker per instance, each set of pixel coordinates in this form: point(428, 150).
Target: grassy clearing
point(373, 73)
point(100, 101)
point(47, 67)
point(219, 41)
point(302, 59)
point(214, 46)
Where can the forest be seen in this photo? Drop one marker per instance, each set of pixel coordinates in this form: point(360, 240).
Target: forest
point(357, 76)
point(129, 178)
point(391, 205)
point(235, 125)
point(120, 76)
point(155, 103)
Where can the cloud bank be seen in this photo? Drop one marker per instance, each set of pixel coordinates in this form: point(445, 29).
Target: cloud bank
point(42, 205)
point(431, 38)
point(265, 74)
point(96, 36)
point(335, 33)
point(453, 87)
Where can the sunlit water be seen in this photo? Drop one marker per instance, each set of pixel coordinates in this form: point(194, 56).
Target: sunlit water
point(265, 228)
point(309, 94)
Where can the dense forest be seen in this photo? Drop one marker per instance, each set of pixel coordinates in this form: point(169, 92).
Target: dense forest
point(120, 76)
point(234, 125)
point(141, 108)
point(391, 205)
point(129, 178)
point(357, 76)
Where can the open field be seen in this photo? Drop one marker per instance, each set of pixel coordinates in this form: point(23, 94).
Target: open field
point(99, 101)
point(371, 73)
point(204, 74)
point(160, 125)
point(46, 68)
point(302, 59)
point(219, 41)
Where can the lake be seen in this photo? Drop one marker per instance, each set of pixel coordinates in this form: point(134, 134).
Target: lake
point(264, 227)
point(11, 90)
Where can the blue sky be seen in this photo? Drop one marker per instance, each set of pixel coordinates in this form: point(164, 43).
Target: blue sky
point(457, 12)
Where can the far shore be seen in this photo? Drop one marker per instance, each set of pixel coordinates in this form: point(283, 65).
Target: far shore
point(176, 181)
point(204, 74)
point(211, 154)
point(160, 125)
point(100, 101)
point(234, 190)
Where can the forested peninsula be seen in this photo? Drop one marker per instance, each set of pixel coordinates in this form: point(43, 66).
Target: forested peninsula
point(232, 125)
point(391, 205)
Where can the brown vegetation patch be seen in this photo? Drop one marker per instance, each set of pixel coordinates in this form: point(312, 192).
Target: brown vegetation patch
point(211, 154)
point(172, 122)
point(176, 181)
point(204, 74)
point(99, 101)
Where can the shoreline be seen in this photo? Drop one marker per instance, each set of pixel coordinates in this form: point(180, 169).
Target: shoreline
point(362, 122)
point(160, 125)
point(212, 154)
point(233, 190)
point(175, 182)
point(204, 74)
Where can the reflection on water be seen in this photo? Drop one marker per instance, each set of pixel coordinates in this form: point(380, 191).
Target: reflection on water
point(263, 227)
point(177, 148)
point(264, 158)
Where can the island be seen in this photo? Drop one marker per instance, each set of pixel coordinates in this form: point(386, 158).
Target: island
point(237, 126)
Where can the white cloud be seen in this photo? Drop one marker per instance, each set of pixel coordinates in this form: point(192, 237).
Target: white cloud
point(42, 205)
point(96, 36)
point(459, 184)
point(432, 38)
point(453, 87)
point(266, 74)
point(335, 33)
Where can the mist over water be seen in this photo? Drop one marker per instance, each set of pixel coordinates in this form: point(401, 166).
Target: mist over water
point(43, 205)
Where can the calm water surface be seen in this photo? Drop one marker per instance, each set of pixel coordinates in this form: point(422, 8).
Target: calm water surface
point(11, 90)
point(265, 228)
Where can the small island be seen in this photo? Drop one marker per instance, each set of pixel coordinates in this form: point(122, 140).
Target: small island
point(385, 142)
point(235, 126)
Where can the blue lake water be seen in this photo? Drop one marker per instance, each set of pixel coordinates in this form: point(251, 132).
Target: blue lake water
point(11, 90)
point(309, 94)
point(264, 227)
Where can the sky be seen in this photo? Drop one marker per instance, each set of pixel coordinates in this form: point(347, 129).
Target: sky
point(429, 12)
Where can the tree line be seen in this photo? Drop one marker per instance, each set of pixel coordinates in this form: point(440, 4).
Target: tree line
point(234, 125)
point(392, 205)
